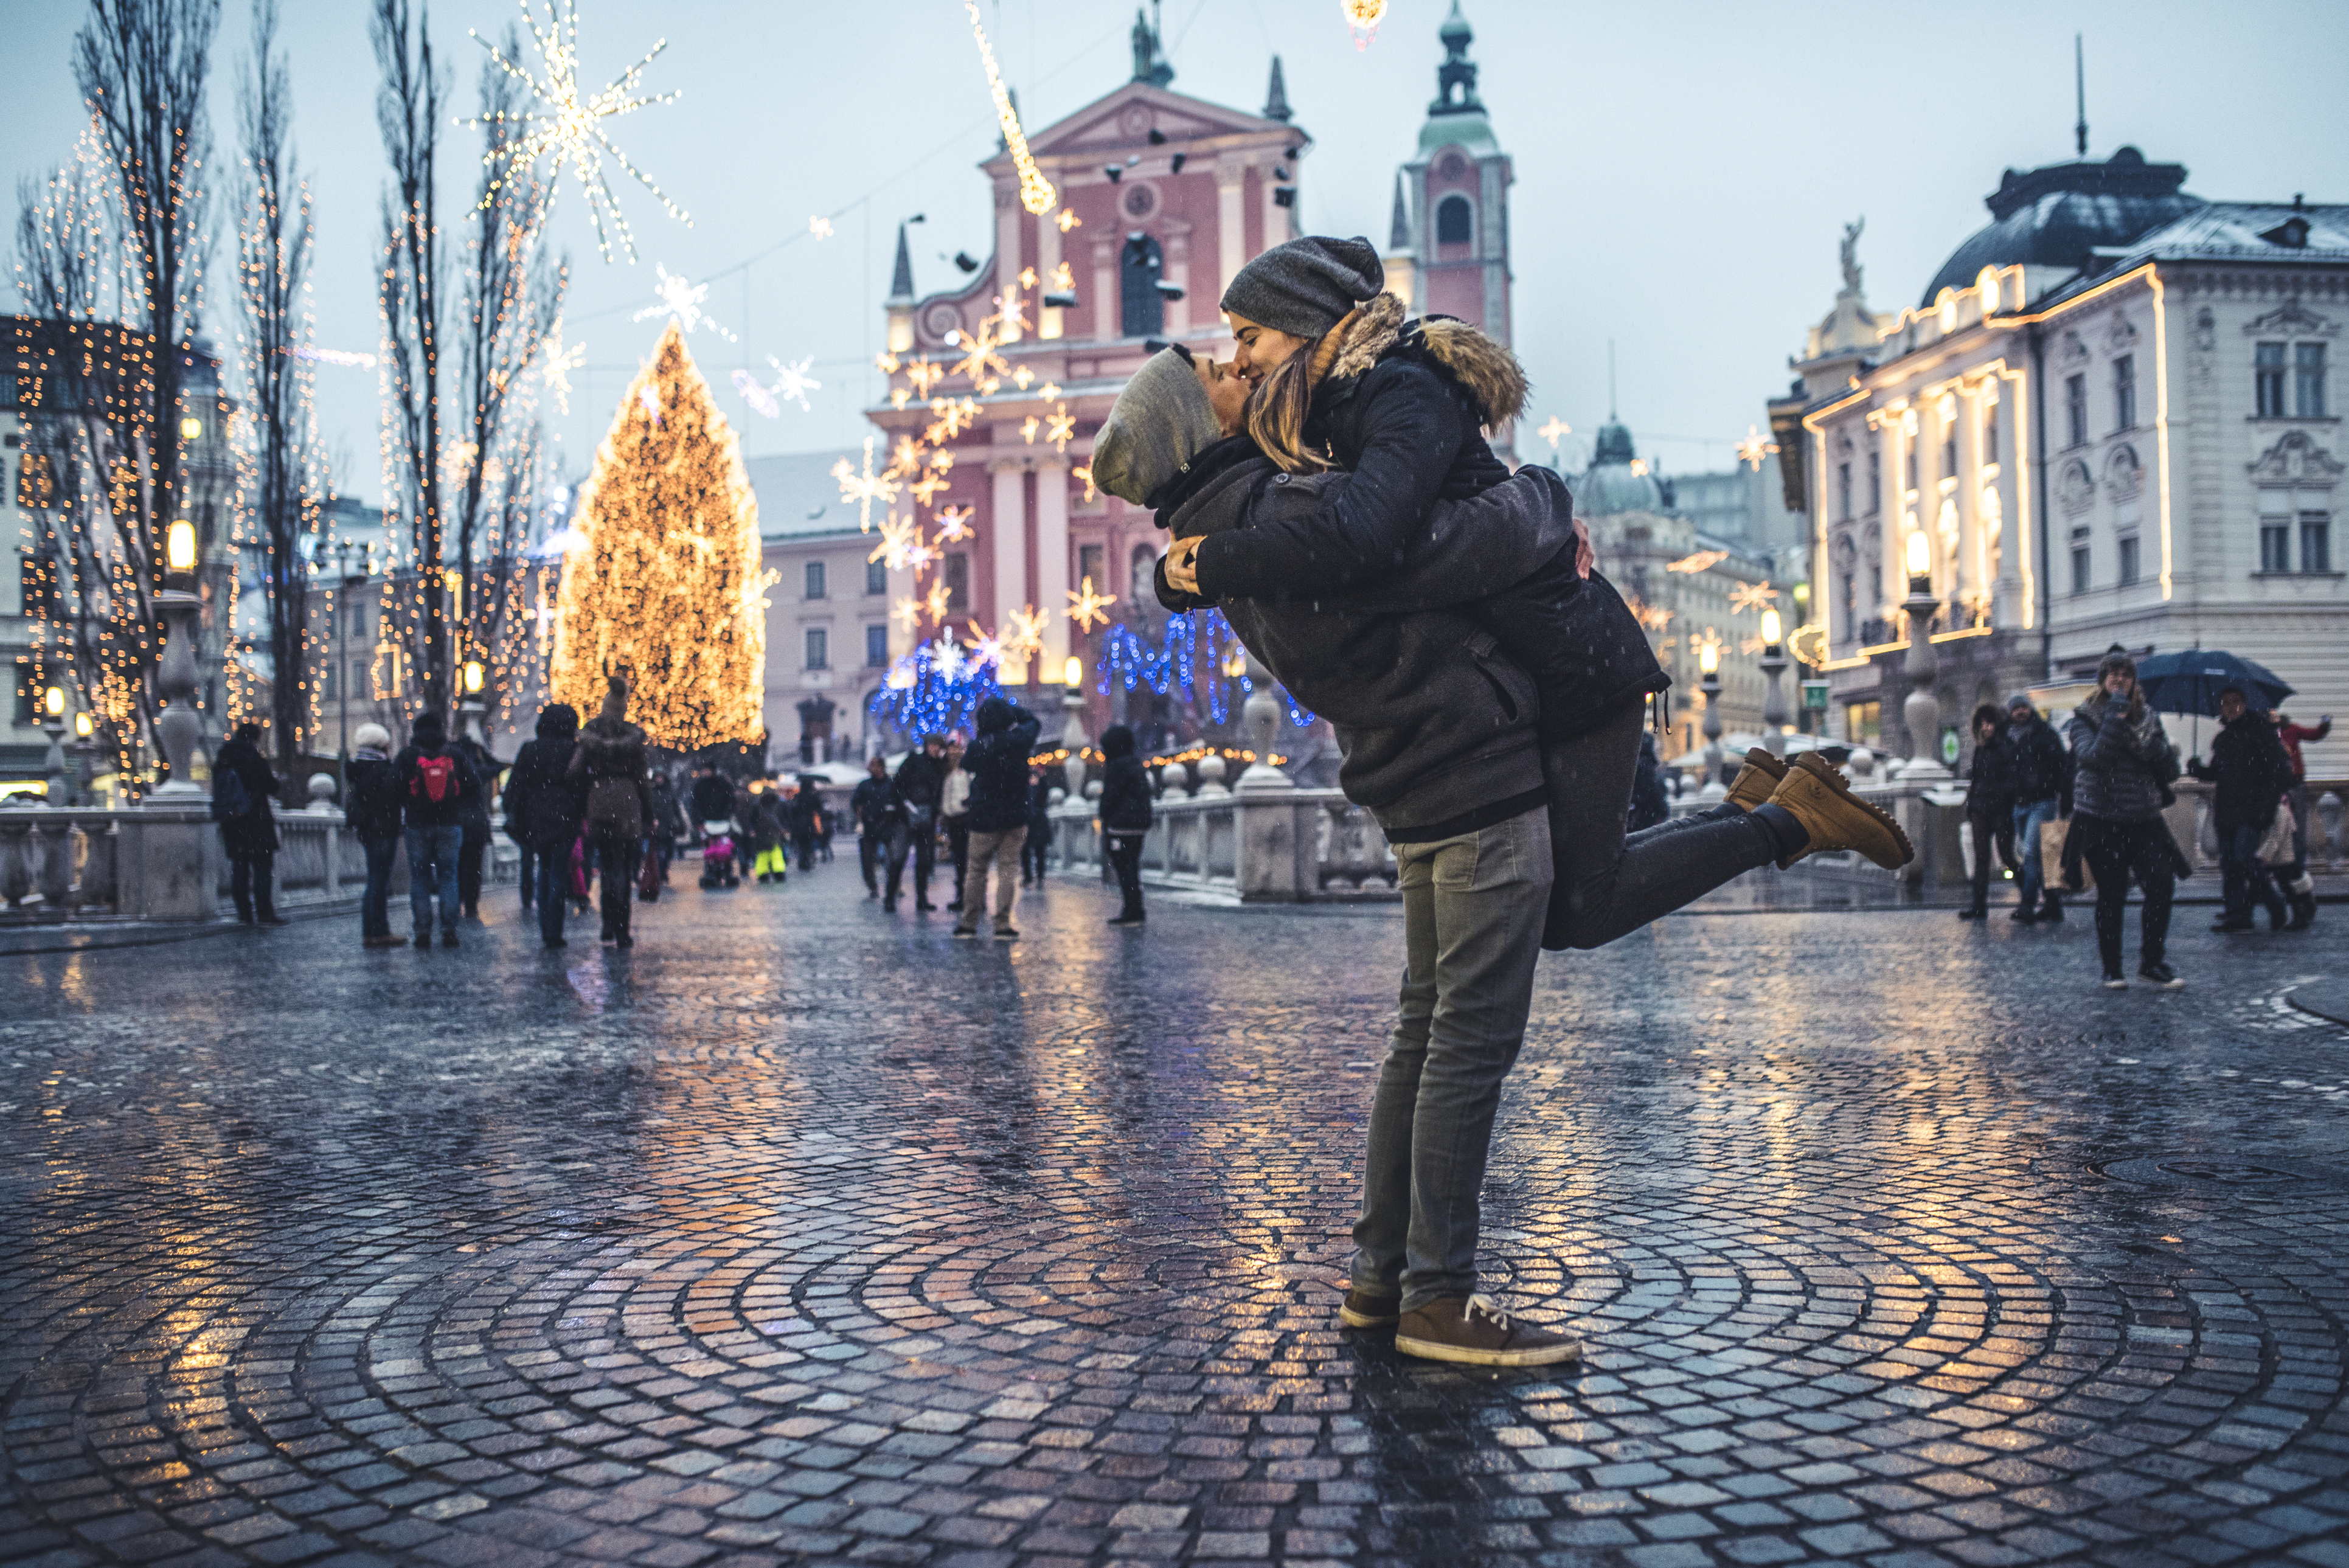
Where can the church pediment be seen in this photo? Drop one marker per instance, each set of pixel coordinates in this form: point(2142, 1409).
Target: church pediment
point(2295, 459)
point(1122, 123)
point(2291, 319)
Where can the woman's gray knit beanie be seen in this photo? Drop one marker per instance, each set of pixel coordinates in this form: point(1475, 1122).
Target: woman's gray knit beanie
point(1306, 287)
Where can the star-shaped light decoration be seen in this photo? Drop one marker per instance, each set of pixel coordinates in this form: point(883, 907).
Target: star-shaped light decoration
point(1061, 428)
point(1025, 638)
point(899, 536)
point(1085, 606)
point(1009, 313)
point(560, 363)
point(909, 610)
point(1027, 429)
point(979, 359)
point(1363, 19)
point(1021, 377)
point(939, 600)
point(792, 382)
point(1754, 448)
point(906, 456)
point(1068, 219)
point(819, 227)
point(1750, 596)
point(682, 298)
point(887, 363)
point(1554, 431)
point(1027, 277)
point(1654, 617)
point(925, 373)
point(926, 489)
point(570, 126)
point(1698, 562)
point(954, 524)
point(946, 656)
point(953, 417)
point(984, 649)
point(864, 488)
point(1049, 391)
point(1085, 471)
point(899, 396)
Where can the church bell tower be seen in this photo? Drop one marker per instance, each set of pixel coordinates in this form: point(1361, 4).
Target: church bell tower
point(1448, 253)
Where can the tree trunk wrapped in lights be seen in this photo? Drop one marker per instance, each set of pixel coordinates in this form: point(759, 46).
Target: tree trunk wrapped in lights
point(666, 587)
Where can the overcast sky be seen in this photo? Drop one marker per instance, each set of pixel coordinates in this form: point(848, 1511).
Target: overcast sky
point(1683, 171)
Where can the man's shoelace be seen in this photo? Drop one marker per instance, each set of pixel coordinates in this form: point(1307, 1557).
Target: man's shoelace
point(1479, 1307)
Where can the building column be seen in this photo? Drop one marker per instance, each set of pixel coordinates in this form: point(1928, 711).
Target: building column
point(1008, 532)
point(1108, 311)
point(1231, 222)
point(1007, 214)
point(1972, 580)
point(1053, 560)
point(1049, 321)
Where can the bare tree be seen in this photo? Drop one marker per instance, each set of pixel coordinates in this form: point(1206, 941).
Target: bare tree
point(274, 250)
point(409, 113)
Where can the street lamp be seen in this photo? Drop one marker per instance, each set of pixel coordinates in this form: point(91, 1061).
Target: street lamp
point(1774, 698)
point(1708, 664)
point(1072, 727)
point(177, 726)
point(1923, 709)
point(53, 719)
point(85, 747)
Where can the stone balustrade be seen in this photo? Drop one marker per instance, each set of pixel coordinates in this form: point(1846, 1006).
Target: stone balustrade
point(1269, 846)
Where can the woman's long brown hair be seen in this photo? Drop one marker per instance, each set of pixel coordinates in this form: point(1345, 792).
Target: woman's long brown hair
point(1277, 409)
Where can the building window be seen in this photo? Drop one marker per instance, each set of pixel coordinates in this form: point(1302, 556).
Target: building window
point(1850, 605)
point(1875, 479)
point(818, 649)
point(1863, 721)
point(1843, 491)
point(1143, 309)
point(1912, 471)
point(816, 579)
point(877, 646)
point(876, 577)
point(2075, 408)
point(2275, 542)
point(25, 713)
point(1455, 222)
point(2128, 562)
point(1092, 565)
point(2079, 564)
point(2308, 380)
point(2125, 392)
point(955, 567)
point(2267, 372)
point(1990, 433)
point(2315, 541)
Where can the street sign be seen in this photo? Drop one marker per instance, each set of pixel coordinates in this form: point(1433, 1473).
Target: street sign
point(1815, 696)
point(1949, 745)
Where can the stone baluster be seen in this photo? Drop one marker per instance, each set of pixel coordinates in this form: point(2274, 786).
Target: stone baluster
point(15, 874)
point(56, 851)
point(2327, 808)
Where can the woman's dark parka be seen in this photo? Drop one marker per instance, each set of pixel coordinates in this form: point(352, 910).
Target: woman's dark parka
point(998, 765)
point(545, 804)
point(1124, 802)
point(255, 834)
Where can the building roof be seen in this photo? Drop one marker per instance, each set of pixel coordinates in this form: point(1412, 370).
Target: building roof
point(2062, 214)
point(1614, 481)
point(2287, 231)
point(798, 496)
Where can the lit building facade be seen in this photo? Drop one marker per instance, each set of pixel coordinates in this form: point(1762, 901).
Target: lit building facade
point(2109, 421)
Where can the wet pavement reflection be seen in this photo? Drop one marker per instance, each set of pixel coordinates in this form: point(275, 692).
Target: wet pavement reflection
point(806, 1234)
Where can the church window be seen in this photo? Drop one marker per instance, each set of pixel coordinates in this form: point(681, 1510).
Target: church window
point(2076, 409)
point(2267, 373)
point(1454, 222)
point(2308, 380)
point(1141, 308)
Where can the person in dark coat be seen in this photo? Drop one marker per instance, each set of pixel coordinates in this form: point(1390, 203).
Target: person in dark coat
point(2252, 772)
point(2041, 772)
point(880, 816)
point(1040, 829)
point(2124, 764)
point(544, 806)
point(371, 810)
point(998, 765)
point(921, 781)
point(1650, 804)
point(610, 760)
point(806, 818)
point(435, 780)
point(712, 796)
point(668, 821)
point(250, 836)
point(1125, 813)
point(764, 827)
point(953, 816)
point(474, 854)
point(1990, 804)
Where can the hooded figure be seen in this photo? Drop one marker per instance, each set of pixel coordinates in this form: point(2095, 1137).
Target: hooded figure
point(611, 759)
point(240, 775)
point(544, 804)
point(1124, 817)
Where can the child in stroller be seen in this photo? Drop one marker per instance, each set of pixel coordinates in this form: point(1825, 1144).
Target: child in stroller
point(718, 855)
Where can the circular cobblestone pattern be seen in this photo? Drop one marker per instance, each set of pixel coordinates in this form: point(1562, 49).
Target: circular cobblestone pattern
point(802, 1233)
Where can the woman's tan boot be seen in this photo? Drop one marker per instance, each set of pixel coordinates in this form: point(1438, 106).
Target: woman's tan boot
point(1816, 794)
point(1756, 780)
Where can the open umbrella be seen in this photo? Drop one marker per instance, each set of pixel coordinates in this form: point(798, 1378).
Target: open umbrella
point(2191, 682)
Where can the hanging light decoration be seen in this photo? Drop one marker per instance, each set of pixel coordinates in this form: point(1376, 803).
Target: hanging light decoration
point(1036, 193)
point(1363, 19)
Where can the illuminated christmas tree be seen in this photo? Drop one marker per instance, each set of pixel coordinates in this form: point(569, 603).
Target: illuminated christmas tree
point(666, 587)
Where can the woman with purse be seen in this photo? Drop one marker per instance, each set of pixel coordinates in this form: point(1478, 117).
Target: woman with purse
point(2251, 772)
point(2126, 763)
point(611, 757)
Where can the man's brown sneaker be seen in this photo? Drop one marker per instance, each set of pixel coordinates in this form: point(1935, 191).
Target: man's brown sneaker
point(1819, 798)
point(1756, 780)
point(1361, 1310)
point(1471, 1329)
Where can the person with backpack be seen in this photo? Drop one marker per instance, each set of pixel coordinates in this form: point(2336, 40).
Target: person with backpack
point(371, 811)
point(544, 806)
point(243, 789)
point(435, 782)
point(610, 760)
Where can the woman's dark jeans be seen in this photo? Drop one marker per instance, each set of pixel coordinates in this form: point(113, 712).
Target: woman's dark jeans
point(250, 880)
point(2142, 850)
point(1126, 860)
point(1993, 844)
point(615, 862)
point(553, 891)
point(2244, 876)
point(375, 904)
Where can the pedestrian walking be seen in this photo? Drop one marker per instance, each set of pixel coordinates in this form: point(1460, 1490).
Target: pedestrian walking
point(2042, 784)
point(1040, 829)
point(997, 764)
point(669, 822)
point(435, 780)
point(921, 784)
point(2299, 886)
point(954, 815)
point(1650, 804)
point(1989, 805)
point(806, 820)
point(546, 805)
point(2124, 764)
point(610, 756)
point(764, 827)
point(245, 793)
point(880, 831)
point(371, 811)
point(2252, 772)
point(473, 854)
point(1126, 815)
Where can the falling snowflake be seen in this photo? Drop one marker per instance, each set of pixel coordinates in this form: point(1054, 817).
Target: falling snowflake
point(682, 299)
point(570, 126)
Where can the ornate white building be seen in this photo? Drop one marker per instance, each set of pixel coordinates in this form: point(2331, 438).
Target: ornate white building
point(2110, 419)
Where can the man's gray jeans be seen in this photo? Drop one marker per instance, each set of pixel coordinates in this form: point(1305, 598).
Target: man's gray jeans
point(1472, 912)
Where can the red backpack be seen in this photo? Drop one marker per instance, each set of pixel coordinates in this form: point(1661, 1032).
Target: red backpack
point(436, 778)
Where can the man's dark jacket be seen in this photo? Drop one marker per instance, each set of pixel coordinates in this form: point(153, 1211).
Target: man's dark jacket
point(2251, 769)
point(713, 799)
point(1990, 788)
point(876, 806)
point(371, 804)
point(420, 809)
point(544, 804)
point(920, 777)
point(1124, 802)
point(2041, 767)
point(253, 834)
point(998, 765)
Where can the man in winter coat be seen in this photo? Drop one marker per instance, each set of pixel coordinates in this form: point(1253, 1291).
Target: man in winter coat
point(2298, 886)
point(667, 823)
point(474, 854)
point(2125, 765)
point(953, 816)
point(880, 830)
point(805, 819)
point(250, 834)
point(2041, 776)
point(921, 783)
point(610, 758)
point(1040, 829)
point(1124, 807)
point(371, 810)
point(712, 796)
point(2252, 770)
point(997, 764)
point(544, 805)
point(1990, 804)
point(435, 782)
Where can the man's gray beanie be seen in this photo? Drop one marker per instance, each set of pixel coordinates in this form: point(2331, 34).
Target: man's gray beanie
point(2020, 699)
point(1158, 424)
point(1306, 286)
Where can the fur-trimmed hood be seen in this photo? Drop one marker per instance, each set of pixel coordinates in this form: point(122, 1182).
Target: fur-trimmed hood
point(1377, 330)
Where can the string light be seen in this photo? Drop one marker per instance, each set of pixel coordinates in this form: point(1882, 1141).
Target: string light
point(334, 356)
point(862, 489)
point(667, 591)
point(934, 689)
point(570, 126)
point(1036, 193)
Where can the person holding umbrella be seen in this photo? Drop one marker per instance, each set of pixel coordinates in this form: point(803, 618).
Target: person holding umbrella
point(2253, 771)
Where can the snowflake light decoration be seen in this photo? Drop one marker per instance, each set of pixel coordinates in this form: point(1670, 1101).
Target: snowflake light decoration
point(1068, 219)
point(1553, 431)
point(1363, 19)
point(938, 602)
point(926, 489)
point(1751, 596)
point(979, 359)
point(899, 538)
point(946, 656)
point(1085, 471)
point(682, 298)
point(1021, 377)
point(908, 610)
point(862, 489)
point(560, 363)
point(570, 126)
point(1025, 638)
point(906, 456)
point(1698, 561)
point(792, 382)
point(757, 396)
point(1085, 606)
point(984, 649)
point(819, 227)
point(1061, 428)
point(954, 524)
point(1754, 448)
point(925, 373)
point(1027, 429)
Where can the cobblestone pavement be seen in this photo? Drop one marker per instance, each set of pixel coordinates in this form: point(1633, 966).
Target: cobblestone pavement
point(804, 1233)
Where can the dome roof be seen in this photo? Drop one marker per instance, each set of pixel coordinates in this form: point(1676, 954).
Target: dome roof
point(2056, 216)
point(1610, 484)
